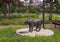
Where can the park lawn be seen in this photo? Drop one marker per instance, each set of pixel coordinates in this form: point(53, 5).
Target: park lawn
point(9, 35)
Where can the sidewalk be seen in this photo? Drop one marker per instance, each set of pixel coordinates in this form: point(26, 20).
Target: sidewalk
point(26, 26)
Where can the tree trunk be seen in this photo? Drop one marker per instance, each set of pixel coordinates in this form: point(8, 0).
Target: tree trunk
point(5, 10)
point(8, 10)
point(51, 7)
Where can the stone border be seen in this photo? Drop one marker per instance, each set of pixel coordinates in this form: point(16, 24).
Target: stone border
point(42, 32)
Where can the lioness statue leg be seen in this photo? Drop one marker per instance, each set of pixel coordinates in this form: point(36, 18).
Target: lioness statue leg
point(30, 27)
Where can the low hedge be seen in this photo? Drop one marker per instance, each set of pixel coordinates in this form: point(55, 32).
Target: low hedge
point(17, 19)
point(27, 15)
point(21, 19)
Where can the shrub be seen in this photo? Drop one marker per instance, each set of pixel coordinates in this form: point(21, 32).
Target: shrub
point(29, 15)
point(33, 15)
point(24, 15)
point(17, 16)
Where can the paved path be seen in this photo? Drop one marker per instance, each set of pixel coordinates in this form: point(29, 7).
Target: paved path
point(1, 27)
point(52, 26)
point(25, 26)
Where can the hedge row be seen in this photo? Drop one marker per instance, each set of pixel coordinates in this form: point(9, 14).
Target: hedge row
point(23, 17)
point(17, 19)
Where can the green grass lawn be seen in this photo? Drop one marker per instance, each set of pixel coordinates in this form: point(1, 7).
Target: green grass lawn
point(9, 35)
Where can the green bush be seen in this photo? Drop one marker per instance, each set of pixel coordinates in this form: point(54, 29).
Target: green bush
point(21, 9)
point(16, 8)
point(33, 15)
point(29, 15)
point(24, 15)
point(34, 10)
point(17, 16)
point(18, 19)
point(31, 9)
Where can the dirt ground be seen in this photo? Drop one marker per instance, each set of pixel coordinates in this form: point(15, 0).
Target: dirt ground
point(52, 26)
point(46, 25)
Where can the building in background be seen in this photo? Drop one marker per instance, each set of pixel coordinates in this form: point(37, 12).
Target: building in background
point(59, 1)
point(24, 2)
point(34, 2)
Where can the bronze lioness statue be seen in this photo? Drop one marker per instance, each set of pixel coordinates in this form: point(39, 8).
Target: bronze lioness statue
point(32, 23)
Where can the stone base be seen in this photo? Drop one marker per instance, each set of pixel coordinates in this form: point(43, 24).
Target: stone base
point(42, 32)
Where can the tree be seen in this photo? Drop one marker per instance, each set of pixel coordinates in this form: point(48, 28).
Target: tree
point(6, 5)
